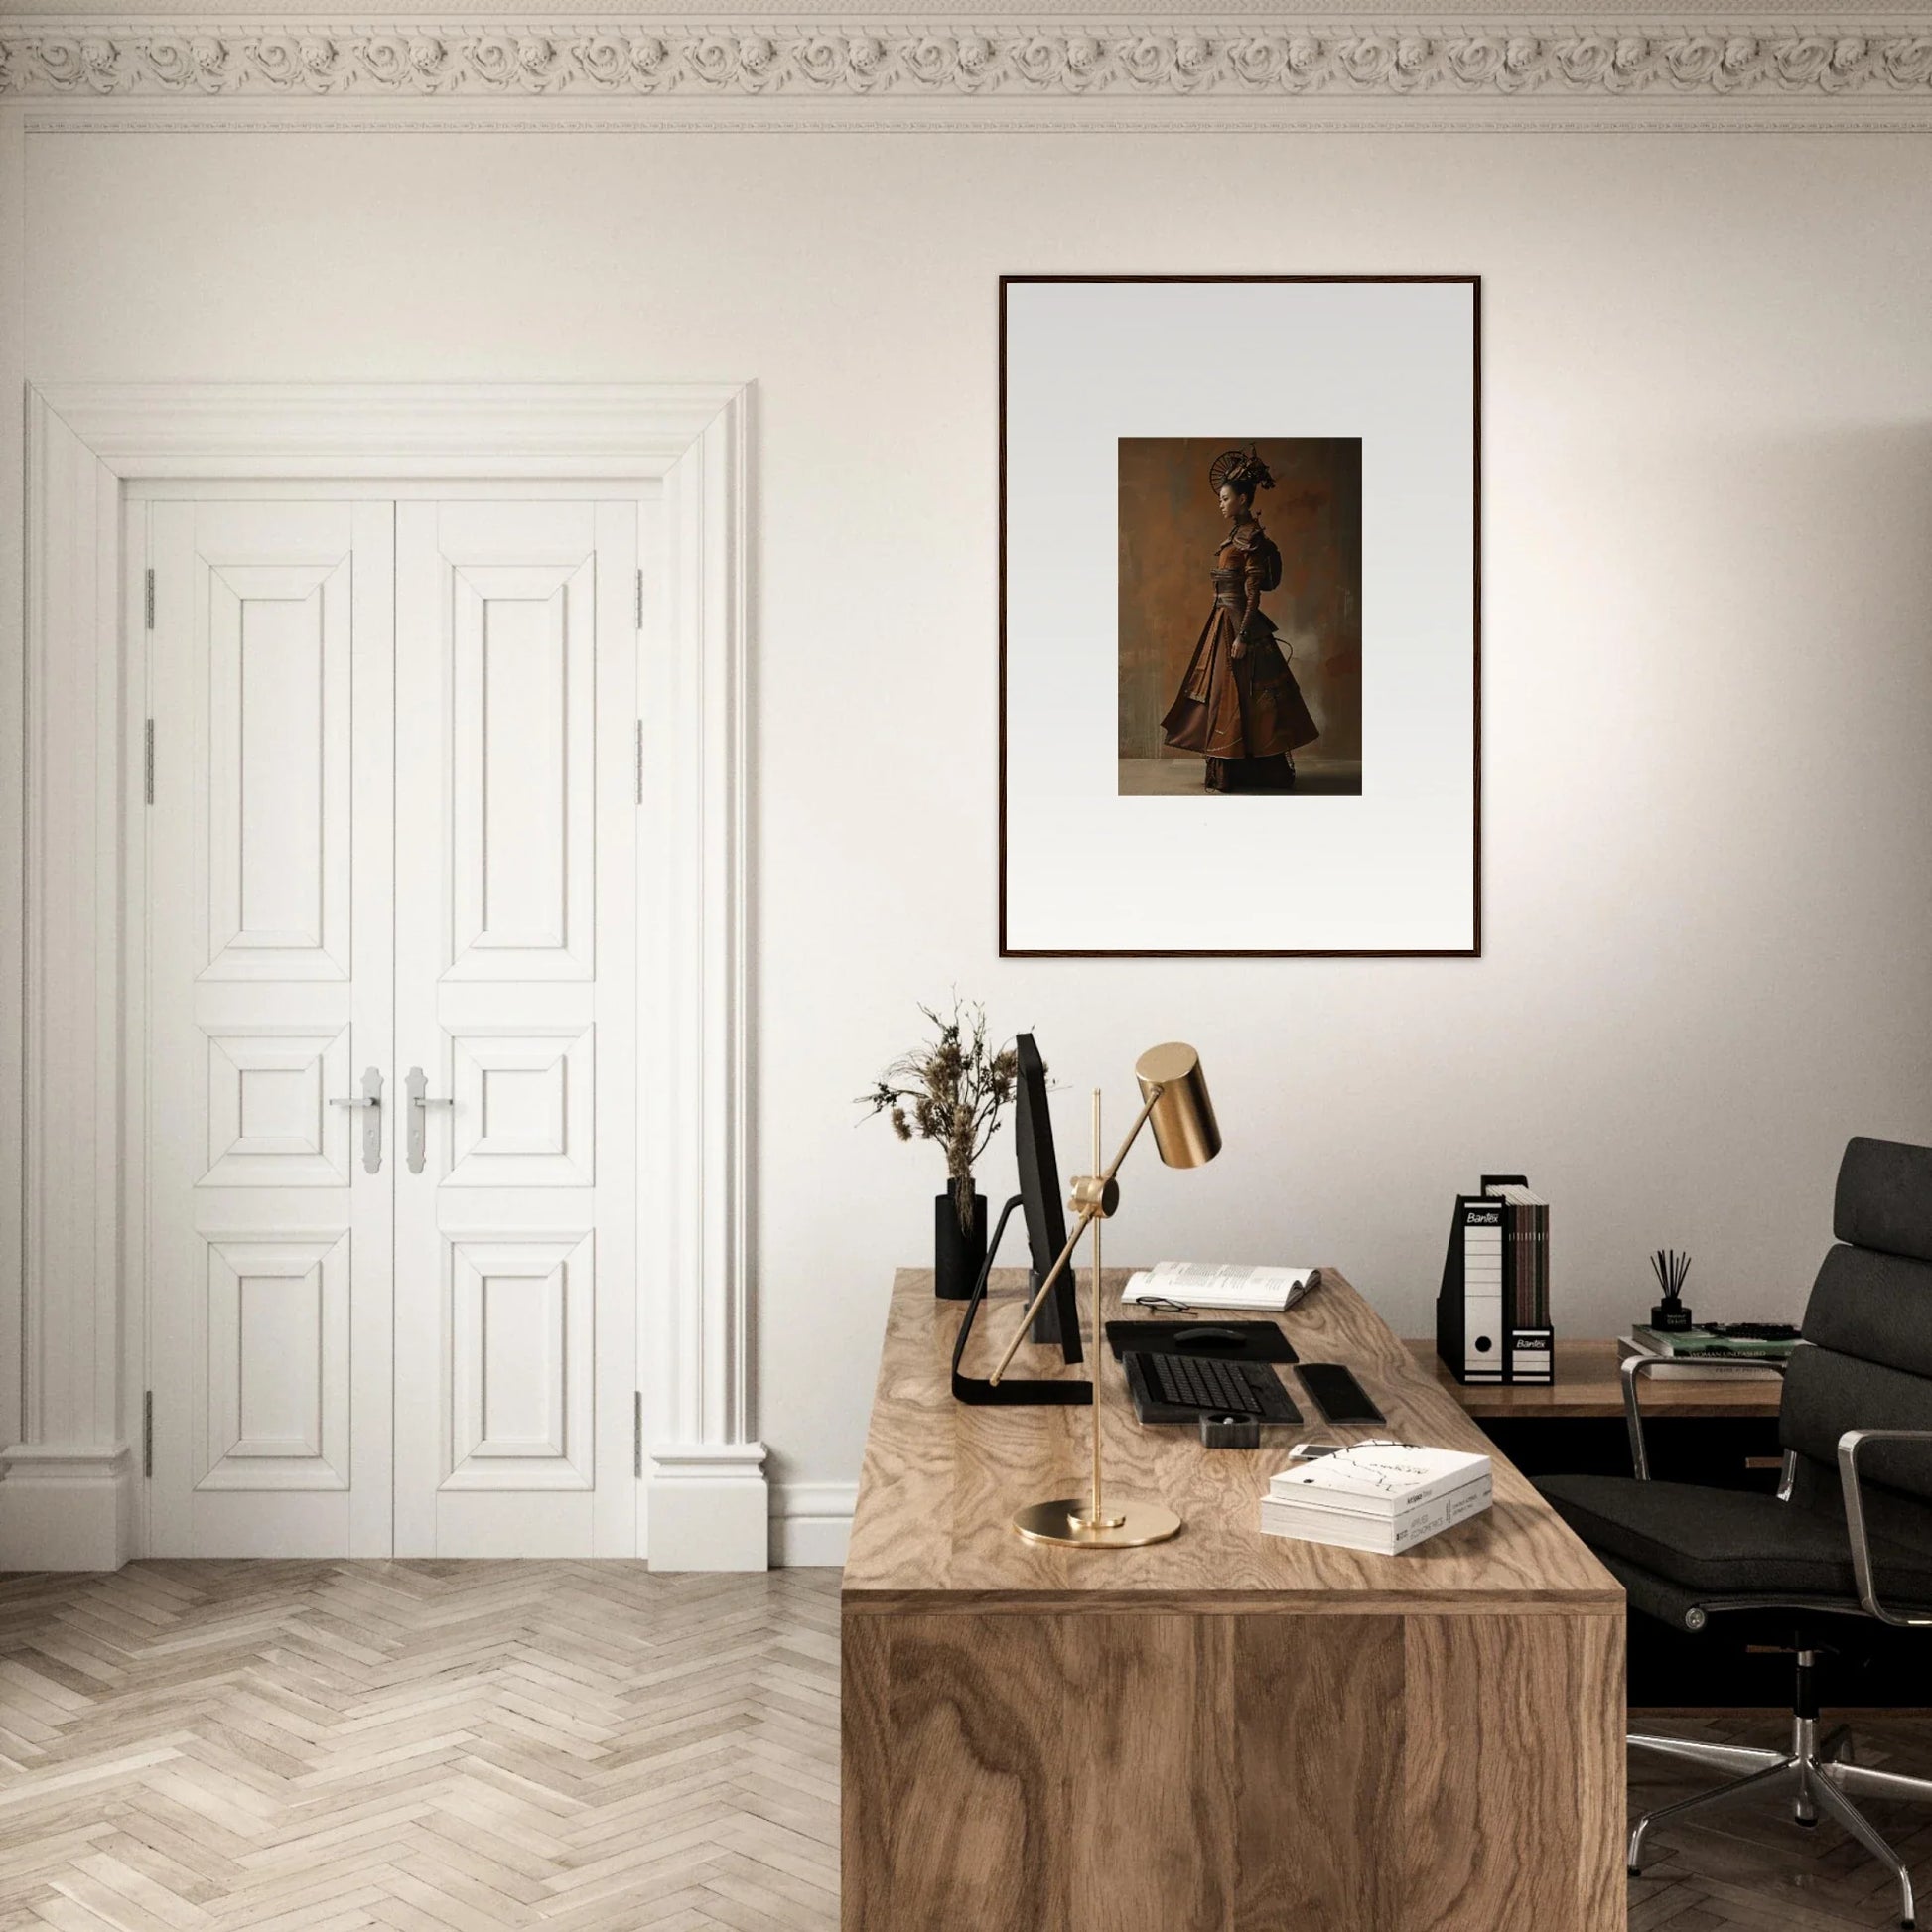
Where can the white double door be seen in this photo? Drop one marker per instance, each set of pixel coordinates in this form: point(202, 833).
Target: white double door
point(390, 1108)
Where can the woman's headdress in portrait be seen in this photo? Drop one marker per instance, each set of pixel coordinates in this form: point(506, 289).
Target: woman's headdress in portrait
point(1243, 469)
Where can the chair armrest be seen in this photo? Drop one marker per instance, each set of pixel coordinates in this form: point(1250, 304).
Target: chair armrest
point(1849, 1445)
point(1634, 1367)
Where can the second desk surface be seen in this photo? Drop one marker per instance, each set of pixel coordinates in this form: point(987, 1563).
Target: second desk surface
point(1588, 1388)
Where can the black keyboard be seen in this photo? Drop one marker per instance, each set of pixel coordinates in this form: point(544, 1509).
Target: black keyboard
point(1217, 1388)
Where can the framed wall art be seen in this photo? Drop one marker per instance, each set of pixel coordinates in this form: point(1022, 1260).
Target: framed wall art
point(1240, 614)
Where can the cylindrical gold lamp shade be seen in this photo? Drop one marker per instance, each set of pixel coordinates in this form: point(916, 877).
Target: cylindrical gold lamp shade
point(1185, 1128)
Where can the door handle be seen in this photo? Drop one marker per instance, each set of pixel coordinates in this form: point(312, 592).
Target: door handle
point(371, 1098)
point(420, 1102)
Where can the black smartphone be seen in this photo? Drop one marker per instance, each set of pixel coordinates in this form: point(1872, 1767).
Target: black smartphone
point(1336, 1393)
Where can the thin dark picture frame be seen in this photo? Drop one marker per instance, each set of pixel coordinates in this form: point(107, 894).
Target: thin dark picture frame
point(1471, 951)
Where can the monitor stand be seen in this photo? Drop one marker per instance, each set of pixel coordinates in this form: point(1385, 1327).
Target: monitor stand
point(1011, 1391)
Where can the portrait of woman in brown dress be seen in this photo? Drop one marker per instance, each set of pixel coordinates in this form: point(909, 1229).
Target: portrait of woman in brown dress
point(1240, 706)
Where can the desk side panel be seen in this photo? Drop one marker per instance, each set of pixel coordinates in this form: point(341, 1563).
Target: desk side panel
point(1514, 1774)
point(1151, 1792)
point(864, 1767)
point(1233, 1774)
point(1316, 1745)
point(956, 1778)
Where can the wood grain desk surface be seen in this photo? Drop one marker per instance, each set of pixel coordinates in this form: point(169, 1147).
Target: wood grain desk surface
point(1588, 1385)
point(941, 1479)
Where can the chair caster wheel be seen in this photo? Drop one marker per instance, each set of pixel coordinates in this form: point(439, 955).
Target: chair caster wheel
point(1810, 1824)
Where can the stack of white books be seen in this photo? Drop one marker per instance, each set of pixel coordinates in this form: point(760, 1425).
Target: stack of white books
point(1219, 1285)
point(1381, 1497)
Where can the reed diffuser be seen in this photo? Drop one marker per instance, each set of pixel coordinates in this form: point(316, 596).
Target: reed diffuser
point(1670, 1314)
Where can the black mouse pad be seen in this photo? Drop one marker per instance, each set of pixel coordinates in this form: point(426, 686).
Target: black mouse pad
point(1218, 1341)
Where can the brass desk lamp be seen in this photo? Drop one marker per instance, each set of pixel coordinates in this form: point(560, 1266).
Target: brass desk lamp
point(1174, 1101)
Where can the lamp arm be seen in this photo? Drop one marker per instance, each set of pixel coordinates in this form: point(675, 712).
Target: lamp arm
point(1088, 1215)
point(1132, 1134)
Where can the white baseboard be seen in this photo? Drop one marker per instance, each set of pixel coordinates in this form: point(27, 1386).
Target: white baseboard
point(66, 1506)
point(710, 1507)
point(811, 1523)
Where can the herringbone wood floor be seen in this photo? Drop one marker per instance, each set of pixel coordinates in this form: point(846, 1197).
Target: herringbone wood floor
point(457, 1747)
point(316, 1746)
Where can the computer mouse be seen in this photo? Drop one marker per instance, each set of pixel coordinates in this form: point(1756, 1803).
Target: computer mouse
point(1208, 1337)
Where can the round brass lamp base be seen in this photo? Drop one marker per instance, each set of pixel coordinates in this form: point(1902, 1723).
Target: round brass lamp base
point(1130, 1525)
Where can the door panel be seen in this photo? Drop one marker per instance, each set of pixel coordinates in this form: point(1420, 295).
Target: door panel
point(521, 1362)
point(279, 770)
point(269, 1121)
point(275, 1406)
point(520, 801)
point(515, 975)
point(269, 992)
point(524, 1108)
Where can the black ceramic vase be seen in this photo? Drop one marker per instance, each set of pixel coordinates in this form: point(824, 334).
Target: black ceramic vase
point(958, 1254)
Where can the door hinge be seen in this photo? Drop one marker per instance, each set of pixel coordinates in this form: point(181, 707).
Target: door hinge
point(148, 761)
point(640, 761)
point(640, 599)
point(149, 594)
point(147, 1432)
point(637, 1433)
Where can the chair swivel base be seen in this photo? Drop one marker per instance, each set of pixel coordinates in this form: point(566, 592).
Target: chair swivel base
point(1816, 1774)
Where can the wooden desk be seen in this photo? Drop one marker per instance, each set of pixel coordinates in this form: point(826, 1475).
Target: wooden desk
point(1588, 1386)
point(1227, 1731)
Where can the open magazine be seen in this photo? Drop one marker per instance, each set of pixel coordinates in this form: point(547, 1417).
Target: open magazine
point(1220, 1285)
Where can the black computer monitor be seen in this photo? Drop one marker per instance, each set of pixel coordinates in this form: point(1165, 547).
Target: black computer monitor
point(1039, 1196)
point(1039, 1201)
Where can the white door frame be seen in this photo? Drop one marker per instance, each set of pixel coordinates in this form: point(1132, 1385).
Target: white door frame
point(68, 1495)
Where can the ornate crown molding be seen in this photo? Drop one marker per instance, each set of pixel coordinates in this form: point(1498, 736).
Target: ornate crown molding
point(609, 60)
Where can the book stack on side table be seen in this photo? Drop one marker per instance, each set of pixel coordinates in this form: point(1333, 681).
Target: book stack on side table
point(1380, 1496)
point(1693, 1354)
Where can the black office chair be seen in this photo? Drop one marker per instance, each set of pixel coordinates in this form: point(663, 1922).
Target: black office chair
point(1848, 1538)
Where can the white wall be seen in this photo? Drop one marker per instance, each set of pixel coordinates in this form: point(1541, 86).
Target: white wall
point(1708, 730)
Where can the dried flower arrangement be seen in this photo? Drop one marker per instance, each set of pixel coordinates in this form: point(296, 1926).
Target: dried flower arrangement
point(951, 1090)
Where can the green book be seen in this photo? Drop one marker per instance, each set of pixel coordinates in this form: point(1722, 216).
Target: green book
point(1701, 1341)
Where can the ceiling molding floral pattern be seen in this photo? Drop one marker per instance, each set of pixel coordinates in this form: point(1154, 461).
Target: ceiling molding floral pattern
point(183, 59)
